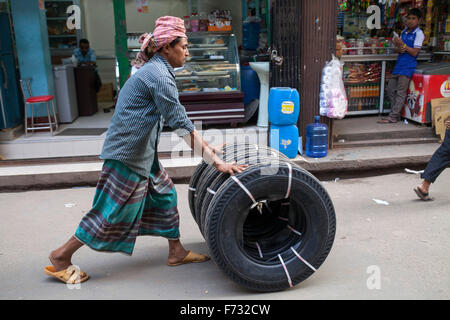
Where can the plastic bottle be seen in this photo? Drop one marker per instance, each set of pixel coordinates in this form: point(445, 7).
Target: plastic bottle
point(187, 23)
point(316, 139)
point(194, 22)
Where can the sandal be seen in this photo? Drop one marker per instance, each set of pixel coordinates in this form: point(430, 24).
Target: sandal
point(192, 257)
point(422, 195)
point(69, 275)
point(387, 120)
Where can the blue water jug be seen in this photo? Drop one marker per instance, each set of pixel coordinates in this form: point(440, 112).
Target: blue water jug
point(284, 106)
point(249, 84)
point(316, 139)
point(250, 35)
point(284, 139)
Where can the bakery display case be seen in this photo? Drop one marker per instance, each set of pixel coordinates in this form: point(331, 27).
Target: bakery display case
point(209, 83)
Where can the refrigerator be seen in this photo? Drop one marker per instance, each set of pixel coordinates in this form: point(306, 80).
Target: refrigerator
point(65, 93)
point(430, 81)
point(11, 104)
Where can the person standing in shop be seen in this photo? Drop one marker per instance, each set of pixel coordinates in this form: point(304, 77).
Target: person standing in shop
point(135, 196)
point(438, 162)
point(408, 46)
point(85, 56)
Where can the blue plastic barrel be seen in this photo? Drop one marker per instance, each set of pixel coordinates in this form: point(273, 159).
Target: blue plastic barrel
point(249, 84)
point(316, 139)
point(250, 35)
point(284, 106)
point(284, 139)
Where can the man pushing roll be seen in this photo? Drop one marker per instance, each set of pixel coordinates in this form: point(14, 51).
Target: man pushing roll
point(134, 195)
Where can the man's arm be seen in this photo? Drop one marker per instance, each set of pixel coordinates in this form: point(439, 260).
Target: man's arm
point(412, 51)
point(203, 149)
point(165, 94)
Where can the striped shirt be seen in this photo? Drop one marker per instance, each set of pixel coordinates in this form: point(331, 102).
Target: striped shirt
point(147, 99)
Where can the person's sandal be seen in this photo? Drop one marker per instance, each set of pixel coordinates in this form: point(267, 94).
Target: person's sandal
point(387, 120)
point(422, 195)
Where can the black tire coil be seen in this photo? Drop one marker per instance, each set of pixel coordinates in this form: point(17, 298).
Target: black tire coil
point(258, 237)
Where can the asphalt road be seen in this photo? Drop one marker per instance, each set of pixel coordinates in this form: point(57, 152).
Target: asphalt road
point(394, 251)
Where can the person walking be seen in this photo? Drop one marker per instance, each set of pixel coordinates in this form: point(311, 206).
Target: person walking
point(408, 46)
point(438, 162)
point(134, 195)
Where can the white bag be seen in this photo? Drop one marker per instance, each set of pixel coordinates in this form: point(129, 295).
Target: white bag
point(333, 99)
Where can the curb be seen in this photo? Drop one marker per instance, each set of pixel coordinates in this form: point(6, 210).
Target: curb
point(182, 174)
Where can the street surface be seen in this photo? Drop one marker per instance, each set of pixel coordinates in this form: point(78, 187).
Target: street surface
point(394, 251)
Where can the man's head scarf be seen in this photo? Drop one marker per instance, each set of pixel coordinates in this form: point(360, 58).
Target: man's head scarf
point(167, 29)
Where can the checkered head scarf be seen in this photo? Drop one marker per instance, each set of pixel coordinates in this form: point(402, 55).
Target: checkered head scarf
point(166, 30)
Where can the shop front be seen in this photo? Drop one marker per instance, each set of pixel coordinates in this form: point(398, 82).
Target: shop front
point(210, 85)
point(365, 43)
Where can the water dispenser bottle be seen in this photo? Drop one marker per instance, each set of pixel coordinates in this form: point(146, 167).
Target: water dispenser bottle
point(316, 139)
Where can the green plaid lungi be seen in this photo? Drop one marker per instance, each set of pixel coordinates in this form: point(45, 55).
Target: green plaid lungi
point(127, 205)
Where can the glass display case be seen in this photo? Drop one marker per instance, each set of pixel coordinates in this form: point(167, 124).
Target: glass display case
point(213, 64)
point(362, 84)
point(365, 80)
point(209, 83)
point(62, 40)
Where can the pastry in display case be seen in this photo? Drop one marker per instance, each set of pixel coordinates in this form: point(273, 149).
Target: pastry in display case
point(209, 83)
point(213, 64)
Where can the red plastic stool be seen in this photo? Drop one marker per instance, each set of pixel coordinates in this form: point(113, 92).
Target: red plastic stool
point(32, 100)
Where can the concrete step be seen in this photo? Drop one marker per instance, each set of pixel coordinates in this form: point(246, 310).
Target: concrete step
point(418, 132)
point(57, 173)
point(383, 142)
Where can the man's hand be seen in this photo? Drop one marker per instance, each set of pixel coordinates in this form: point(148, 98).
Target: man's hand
point(447, 124)
point(230, 168)
point(398, 41)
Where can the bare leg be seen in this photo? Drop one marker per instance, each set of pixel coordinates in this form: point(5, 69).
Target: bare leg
point(61, 258)
point(176, 251)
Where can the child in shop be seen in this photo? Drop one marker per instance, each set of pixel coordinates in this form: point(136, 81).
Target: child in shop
point(407, 46)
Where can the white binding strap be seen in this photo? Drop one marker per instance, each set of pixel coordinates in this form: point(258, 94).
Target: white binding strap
point(303, 260)
point(192, 189)
point(210, 191)
point(259, 250)
point(288, 193)
point(293, 230)
point(286, 270)
point(245, 189)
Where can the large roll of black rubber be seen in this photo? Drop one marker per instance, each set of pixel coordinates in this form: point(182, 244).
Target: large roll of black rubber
point(269, 227)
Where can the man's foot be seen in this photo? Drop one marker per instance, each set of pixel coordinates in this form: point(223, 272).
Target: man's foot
point(178, 255)
point(422, 194)
point(191, 257)
point(58, 261)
